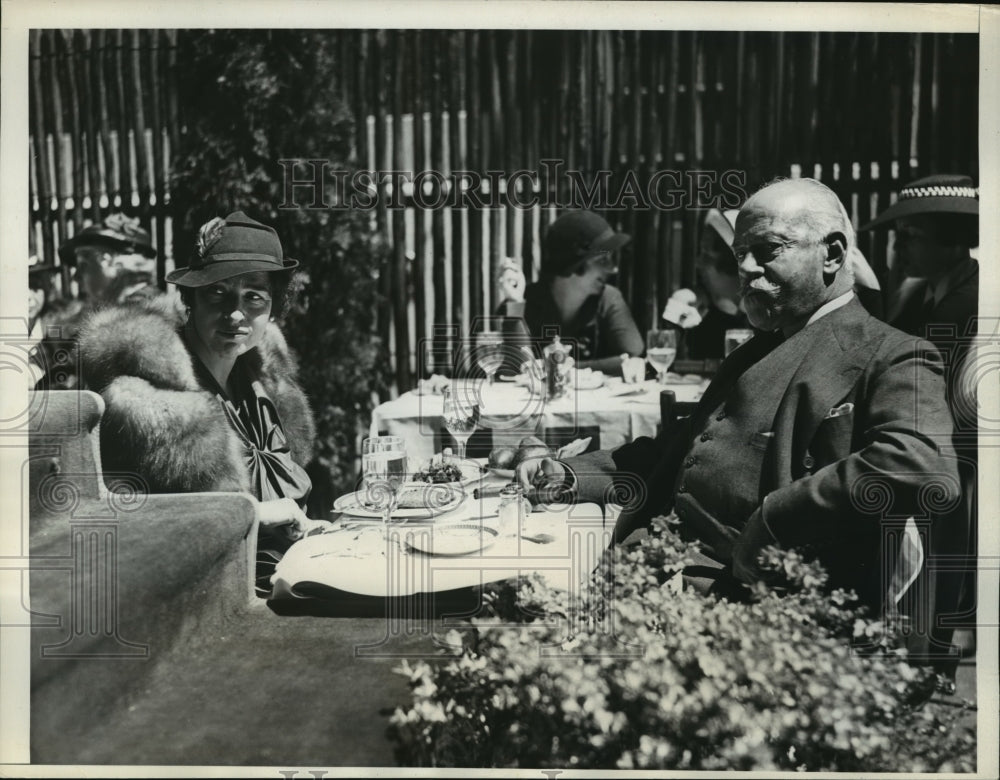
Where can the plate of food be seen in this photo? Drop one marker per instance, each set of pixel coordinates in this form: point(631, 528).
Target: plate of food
point(443, 470)
point(457, 539)
point(416, 501)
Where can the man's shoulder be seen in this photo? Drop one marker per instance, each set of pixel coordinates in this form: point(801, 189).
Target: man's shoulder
point(874, 340)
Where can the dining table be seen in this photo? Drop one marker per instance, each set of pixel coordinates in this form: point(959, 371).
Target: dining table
point(432, 560)
point(605, 409)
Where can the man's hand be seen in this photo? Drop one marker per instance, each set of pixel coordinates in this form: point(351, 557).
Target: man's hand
point(754, 538)
point(543, 478)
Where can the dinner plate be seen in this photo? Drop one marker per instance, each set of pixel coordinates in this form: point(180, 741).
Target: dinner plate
point(459, 539)
point(434, 499)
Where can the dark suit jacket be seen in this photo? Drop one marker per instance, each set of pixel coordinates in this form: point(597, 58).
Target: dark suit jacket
point(826, 482)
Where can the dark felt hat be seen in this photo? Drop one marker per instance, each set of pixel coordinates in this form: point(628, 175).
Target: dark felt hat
point(117, 232)
point(942, 194)
point(230, 247)
point(576, 236)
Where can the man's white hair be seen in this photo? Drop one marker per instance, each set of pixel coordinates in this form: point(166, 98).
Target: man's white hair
point(824, 212)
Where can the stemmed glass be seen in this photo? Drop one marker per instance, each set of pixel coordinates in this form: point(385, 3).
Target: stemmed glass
point(461, 414)
point(383, 464)
point(661, 349)
point(489, 353)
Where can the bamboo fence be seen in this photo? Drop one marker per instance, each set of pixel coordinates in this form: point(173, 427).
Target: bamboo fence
point(864, 112)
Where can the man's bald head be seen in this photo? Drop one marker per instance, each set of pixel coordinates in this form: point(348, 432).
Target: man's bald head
point(792, 243)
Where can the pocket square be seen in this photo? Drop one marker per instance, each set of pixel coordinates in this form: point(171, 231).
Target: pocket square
point(761, 439)
point(839, 411)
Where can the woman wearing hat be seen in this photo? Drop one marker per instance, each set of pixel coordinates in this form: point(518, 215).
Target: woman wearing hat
point(573, 297)
point(207, 399)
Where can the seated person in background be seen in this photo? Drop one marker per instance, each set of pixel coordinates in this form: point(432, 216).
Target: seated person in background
point(573, 299)
point(822, 404)
point(114, 262)
point(937, 224)
point(707, 314)
point(210, 401)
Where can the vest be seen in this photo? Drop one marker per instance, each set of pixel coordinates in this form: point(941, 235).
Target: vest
point(718, 484)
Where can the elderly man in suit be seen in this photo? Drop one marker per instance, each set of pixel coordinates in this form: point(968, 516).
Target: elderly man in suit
point(812, 434)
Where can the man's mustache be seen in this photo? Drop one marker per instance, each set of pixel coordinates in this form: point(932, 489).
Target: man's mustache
point(758, 285)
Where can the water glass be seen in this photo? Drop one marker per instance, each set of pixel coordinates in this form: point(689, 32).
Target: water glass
point(661, 349)
point(383, 466)
point(461, 415)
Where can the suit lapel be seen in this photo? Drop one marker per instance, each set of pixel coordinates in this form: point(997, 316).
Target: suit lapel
point(823, 379)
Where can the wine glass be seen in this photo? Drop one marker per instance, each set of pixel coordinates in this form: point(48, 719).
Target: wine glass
point(489, 353)
point(661, 349)
point(383, 464)
point(461, 414)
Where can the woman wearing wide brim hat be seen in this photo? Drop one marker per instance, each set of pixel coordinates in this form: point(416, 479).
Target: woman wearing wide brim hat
point(210, 400)
point(936, 220)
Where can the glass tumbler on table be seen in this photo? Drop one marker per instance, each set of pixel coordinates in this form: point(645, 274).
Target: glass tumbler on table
point(461, 415)
point(383, 466)
point(661, 349)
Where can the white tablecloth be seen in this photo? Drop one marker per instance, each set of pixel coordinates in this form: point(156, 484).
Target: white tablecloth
point(512, 412)
point(562, 543)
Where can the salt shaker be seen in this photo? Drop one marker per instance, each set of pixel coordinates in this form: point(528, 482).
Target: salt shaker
point(514, 509)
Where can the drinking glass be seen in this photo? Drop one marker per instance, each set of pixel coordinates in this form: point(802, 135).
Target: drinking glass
point(489, 353)
point(383, 464)
point(661, 349)
point(461, 414)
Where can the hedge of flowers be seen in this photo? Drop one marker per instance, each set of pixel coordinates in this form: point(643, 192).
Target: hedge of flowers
point(638, 673)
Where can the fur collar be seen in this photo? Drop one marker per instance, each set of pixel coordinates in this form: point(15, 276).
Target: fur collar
point(143, 341)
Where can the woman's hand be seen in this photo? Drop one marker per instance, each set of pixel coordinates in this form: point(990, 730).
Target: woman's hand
point(286, 514)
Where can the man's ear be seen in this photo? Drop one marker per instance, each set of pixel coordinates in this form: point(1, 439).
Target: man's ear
point(836, 252)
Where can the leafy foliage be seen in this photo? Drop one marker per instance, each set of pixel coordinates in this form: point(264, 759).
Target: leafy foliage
point(250, 98)
point(639, 673)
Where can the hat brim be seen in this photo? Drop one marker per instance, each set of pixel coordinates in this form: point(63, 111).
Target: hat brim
point(216, 272)
point(67, 249)
point(612, 243)
point(916, 206)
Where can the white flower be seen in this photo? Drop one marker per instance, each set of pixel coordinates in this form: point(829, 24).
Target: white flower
point(681, 309)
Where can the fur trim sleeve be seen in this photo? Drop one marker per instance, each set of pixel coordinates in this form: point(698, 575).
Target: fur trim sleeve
point(177, 441)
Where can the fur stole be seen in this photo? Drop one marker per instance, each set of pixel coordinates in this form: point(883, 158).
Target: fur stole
point(158, 422)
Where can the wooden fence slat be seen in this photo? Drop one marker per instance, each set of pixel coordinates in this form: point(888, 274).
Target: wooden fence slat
point(55, 134)
point(94, 184)
point(67, 76)
point(39, 147)
point(157, 110)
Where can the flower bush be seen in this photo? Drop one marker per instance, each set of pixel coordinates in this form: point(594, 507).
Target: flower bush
point(640, 673)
